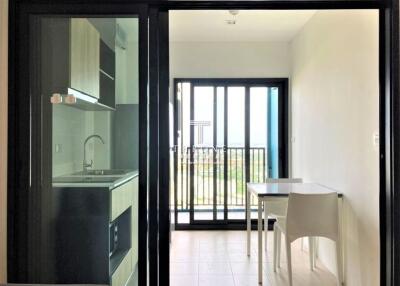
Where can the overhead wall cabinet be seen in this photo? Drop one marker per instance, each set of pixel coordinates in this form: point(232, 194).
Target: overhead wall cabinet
point(88, 82)
point(85, 57)
point(107, 75)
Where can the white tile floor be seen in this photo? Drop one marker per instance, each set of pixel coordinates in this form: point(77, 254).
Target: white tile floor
point(208, 258)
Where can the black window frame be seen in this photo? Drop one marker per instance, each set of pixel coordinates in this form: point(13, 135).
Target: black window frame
point(283, 129)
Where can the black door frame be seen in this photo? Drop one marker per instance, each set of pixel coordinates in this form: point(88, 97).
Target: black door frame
point(18, 131)
point(20, 220)
point(389, 112)
point(247, 83)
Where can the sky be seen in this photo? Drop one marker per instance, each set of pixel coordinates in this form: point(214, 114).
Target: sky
point(203, 115)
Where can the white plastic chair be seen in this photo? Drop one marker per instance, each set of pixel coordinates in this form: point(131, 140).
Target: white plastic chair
point(278, 208)
point(309, 215)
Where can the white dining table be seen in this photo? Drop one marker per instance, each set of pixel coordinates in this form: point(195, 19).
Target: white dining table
point(265, 192)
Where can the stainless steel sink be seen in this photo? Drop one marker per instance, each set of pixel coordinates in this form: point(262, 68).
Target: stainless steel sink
point(86, 179)
point(95, 176)
point(103, 172)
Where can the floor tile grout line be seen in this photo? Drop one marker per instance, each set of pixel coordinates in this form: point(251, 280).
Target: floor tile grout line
point(198, 274)
point(198, 263)
point(233, 276)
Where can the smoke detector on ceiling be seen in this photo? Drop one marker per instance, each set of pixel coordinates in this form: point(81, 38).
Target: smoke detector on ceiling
point(233, 20)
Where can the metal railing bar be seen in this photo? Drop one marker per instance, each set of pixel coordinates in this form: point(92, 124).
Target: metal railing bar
point(196, 177)
point(242, 177)
point(181, 176)
point(208, 172)
point(187, 177)
point(230, 176)
point(263, 164)
point(258, 165)
point(236, 178)
point(206, 194)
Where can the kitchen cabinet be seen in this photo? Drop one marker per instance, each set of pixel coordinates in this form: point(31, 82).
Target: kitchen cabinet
point(135, 222)
point(123, 272)
point(72, 47)
point(85, 218)
point(121, 199)
point(107, 75)
point(107, 60)
point(85, 57)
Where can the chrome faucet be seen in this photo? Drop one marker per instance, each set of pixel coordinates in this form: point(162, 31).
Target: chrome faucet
point(86, 165)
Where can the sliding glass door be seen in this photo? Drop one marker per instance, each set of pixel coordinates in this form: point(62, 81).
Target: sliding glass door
point(227, 132)
point(82, 101)
point(202, 159)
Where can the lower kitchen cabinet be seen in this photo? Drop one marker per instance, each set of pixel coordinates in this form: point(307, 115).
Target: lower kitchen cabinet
point(95, 233)
point(135, 223)
point(123, 272)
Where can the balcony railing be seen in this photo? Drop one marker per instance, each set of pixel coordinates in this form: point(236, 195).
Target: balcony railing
point(205, 159)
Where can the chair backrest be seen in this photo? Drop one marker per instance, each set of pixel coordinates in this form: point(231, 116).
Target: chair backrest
point(312, 215)
point(284, 180)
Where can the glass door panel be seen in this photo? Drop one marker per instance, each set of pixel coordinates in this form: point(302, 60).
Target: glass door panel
point(220, 153)
point(274, 166)
point(182, 184)
point(263, 136)
point(85, 118)
point(212, 135)
point(235, 155)
point(202, 126)
point(258, 133)
point(258, 138)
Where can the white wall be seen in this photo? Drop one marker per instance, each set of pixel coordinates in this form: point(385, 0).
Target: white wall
point(335, 113)
point(71, 127)
point(127, 63)
point(127, 74)
point(224, 59)
point(3, 137)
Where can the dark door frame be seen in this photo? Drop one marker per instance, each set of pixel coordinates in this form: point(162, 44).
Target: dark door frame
point(22, 194)
point(247, 83)
point(18, 138)
point(389, 110)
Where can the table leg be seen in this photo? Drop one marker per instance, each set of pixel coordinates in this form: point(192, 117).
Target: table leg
point(248, 218)
point(265, 226)
point(260, 244)
point(341, 252)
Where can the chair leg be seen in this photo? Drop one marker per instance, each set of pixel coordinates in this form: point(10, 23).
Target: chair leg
point(265, 226)
point(315, 251)
point(339, 263)
point(260, 241)
point(311, 252)
point(289, 261)
point(275, 246)
point(278, 254)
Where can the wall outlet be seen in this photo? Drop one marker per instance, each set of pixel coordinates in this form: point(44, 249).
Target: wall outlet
point(375, 139)
point(58, 148)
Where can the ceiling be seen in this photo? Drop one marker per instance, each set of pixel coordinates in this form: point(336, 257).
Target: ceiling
point(251, 25)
